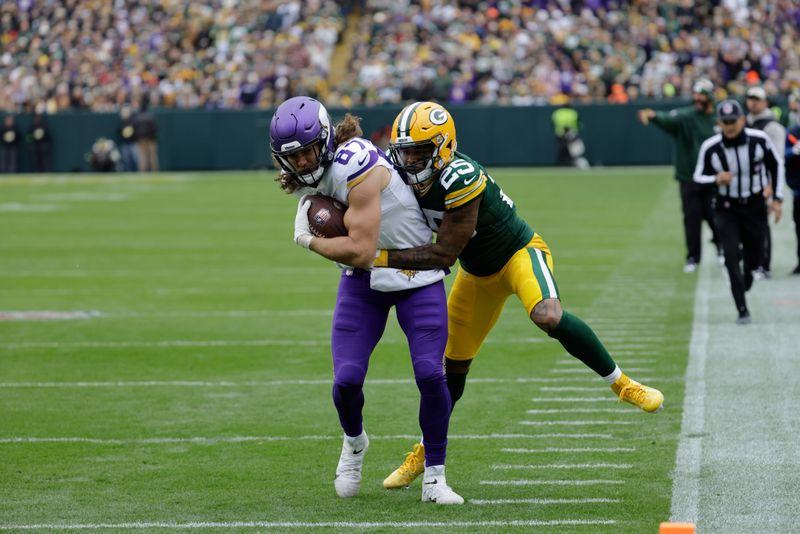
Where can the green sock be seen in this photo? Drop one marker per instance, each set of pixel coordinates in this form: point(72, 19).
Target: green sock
point(581, 341)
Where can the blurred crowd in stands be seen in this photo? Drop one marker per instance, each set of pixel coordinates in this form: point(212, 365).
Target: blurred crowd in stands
point(105, 54)
point(102, 54)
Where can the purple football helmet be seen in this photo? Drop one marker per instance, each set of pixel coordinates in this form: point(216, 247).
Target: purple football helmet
point(301, 123)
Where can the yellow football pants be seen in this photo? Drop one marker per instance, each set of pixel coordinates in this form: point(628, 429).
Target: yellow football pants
point(475, 302)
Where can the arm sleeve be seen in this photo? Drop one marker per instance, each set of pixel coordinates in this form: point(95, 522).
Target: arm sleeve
point(669, 121)
point(777, 135)
point(704, 172)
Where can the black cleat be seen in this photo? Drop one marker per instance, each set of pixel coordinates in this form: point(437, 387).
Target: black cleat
point(744, 318)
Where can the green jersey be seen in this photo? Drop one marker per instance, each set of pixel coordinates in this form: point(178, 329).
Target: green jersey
point(689, 127)
point(499, 233)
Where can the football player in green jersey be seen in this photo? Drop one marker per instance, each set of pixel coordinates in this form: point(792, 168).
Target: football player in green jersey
point(499, 255)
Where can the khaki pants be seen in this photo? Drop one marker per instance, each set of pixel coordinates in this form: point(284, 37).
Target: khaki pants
point(148, 155)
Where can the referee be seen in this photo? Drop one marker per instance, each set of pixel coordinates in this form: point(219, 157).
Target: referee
point(746, 170)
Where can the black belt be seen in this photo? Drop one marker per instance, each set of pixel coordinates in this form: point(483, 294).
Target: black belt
point(740, 201)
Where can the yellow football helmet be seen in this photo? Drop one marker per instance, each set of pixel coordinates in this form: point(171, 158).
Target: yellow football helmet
point(423, 142)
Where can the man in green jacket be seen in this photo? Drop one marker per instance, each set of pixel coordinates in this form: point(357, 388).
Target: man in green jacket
point(689, 127)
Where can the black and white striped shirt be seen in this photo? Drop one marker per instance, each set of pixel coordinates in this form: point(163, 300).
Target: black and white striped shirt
point(752, 160)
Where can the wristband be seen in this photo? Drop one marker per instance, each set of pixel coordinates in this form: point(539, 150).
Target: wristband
point(304, 240)
point(381, 258)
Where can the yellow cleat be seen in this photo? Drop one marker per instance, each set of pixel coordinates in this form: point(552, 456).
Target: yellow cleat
point(412, 467)
point(648, 399)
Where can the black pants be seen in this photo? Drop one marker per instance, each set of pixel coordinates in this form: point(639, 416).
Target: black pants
point(697, 201)
point(796, 215)
point(741, 232)
point(8, 159)
point(41, 157)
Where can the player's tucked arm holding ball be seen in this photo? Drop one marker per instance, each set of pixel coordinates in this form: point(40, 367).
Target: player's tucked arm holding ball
point(362, 220)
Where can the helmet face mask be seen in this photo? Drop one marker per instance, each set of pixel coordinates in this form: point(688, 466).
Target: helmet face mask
point(303, 164)
point(301, 140)
point(415, 160)
point(423, 142)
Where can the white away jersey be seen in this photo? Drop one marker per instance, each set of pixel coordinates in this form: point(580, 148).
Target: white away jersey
point(402, 222)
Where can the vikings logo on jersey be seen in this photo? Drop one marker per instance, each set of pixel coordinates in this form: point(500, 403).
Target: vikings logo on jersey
point(409, 273)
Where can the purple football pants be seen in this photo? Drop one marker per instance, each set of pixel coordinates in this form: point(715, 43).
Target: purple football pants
point(359, 320)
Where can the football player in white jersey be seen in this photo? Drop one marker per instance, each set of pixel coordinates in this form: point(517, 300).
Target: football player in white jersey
point(382, 214)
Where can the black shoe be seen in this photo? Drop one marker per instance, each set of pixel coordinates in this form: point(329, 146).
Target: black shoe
point(744, 318)
point(796, 270)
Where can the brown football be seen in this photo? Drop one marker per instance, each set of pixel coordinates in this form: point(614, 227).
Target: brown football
point(326, 216)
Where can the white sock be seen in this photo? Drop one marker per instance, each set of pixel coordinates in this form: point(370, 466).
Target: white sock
point(434, 471)
point(358, 440)
point(614, 376)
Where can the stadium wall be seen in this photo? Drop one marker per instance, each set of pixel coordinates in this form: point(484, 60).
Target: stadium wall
point(496, 136)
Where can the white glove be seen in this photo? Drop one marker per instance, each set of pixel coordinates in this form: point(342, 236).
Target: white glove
point(302, 234)
point(796, 149)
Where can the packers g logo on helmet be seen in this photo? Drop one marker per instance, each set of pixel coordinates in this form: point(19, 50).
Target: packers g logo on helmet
point(438, 116)
point(423, 142)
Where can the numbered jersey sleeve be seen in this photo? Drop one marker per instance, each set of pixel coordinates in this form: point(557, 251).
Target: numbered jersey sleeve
point(354, 159)
point(462, 182)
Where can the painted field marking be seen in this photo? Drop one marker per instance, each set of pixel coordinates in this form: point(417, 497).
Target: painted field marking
point(256, 383)
point(548, 450)
point(570, 388)
point(561, 466)
point(611, 398)
point(621, 410)
point(141, 525)
point(575, 362)
point(215, 343)
point(539, 482)
point(587, 371)
point(206, 440)
point(574, 423)
point(589, 500)
point(686, 479)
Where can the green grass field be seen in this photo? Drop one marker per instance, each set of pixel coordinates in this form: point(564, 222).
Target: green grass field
point(196, 392)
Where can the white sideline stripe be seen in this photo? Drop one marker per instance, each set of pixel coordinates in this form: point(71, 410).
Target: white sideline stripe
point(562, 466)
point(581, 410)
point(218, 343)
point(590, 500)
point(574, 423)
point(243, 439)
point(300, 524)
point(573, 449)
point(575, 399)
point(549, 482)
point(253, 383)
point(686, 477)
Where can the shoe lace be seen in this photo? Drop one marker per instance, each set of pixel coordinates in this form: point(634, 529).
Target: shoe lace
point(633, 392)
point(411, 463)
